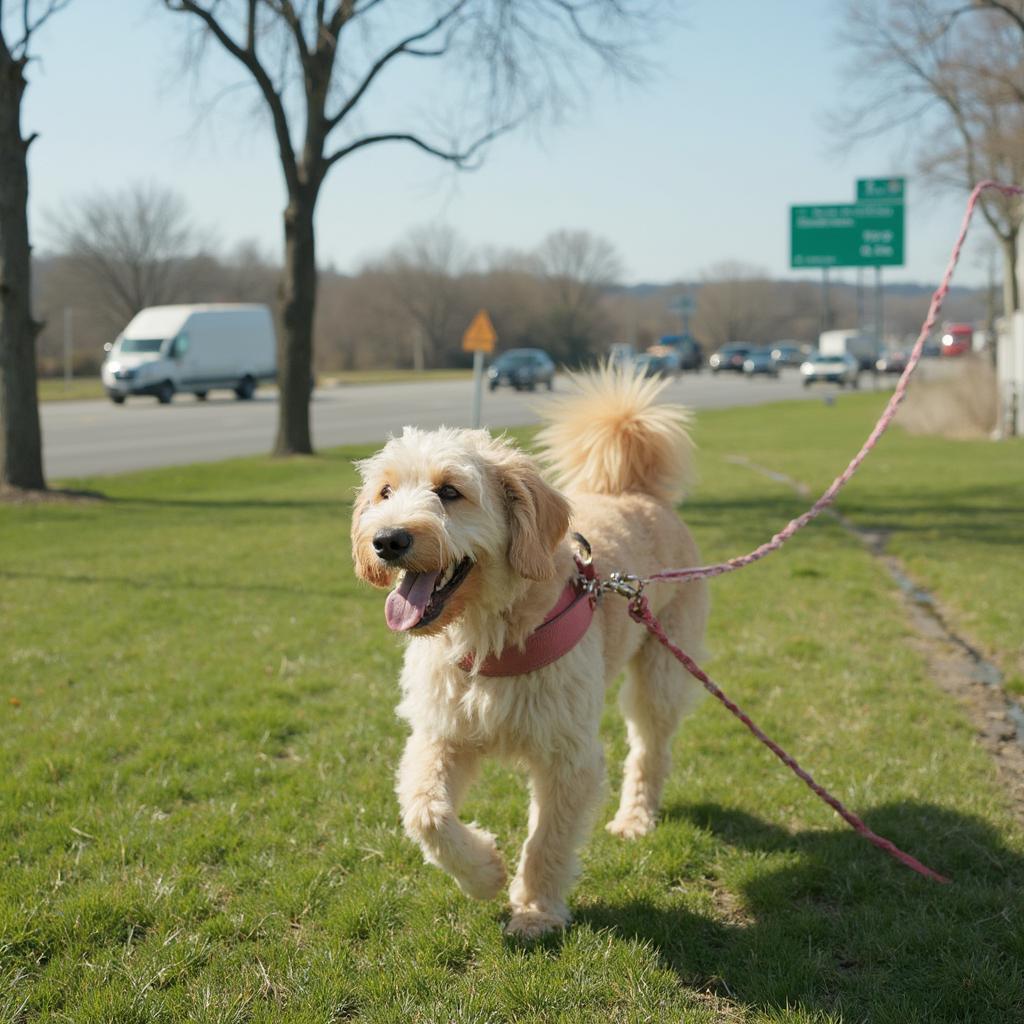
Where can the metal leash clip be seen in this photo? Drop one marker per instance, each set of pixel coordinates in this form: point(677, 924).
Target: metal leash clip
point(586, 578)
point(625, 584)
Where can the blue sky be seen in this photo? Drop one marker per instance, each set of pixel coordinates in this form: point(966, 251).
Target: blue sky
point(696, 166)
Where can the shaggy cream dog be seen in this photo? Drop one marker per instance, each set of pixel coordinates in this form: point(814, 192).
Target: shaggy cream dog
point(476, 547)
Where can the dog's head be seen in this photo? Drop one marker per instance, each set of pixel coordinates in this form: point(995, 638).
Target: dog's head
point(451, 516)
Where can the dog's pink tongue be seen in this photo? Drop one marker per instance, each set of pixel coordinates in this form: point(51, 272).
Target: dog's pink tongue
point(408, 601)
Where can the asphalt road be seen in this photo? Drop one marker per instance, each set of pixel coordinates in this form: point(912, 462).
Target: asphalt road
point(96, 437)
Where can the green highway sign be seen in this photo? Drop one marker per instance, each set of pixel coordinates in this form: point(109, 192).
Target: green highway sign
point(887, 190)
point(862, 234)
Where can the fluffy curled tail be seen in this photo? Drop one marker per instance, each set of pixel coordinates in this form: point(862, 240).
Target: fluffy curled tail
point(611, 437)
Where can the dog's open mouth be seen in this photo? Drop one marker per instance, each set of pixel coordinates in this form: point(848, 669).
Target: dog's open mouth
point(421, 596)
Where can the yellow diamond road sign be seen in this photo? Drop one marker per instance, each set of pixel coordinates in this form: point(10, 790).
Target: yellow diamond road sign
point(480, 335)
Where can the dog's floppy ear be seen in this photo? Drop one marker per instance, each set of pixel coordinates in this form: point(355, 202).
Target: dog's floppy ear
point(368, 566)
point(538, 519)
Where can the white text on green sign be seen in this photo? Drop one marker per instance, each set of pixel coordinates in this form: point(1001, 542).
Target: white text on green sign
point(847, 235)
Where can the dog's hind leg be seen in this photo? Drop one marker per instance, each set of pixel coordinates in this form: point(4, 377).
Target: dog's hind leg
point(657, 693)
point(563, 800)
point(432, 779)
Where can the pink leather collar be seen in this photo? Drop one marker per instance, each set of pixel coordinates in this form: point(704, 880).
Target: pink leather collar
point(562, 629)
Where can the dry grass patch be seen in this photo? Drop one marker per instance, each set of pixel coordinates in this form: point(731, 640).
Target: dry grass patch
point(961, 405)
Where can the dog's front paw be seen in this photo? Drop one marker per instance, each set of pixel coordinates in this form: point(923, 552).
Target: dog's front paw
point(632, 824)
point(532, 924)
point(483, 873)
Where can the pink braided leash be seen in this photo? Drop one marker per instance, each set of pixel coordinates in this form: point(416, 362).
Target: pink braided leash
point(640, 610)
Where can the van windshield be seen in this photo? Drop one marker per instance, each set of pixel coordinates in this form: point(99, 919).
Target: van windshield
point(140, 344)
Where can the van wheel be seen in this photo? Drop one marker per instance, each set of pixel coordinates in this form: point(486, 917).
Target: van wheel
point(246, 389)
point(117, 399)
point(165, 392)
point(201, 395)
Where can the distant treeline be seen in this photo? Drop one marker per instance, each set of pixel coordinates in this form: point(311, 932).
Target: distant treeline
point(408, 307)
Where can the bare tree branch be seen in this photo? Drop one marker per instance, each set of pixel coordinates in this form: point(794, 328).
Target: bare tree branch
point(247, 56)
point(399, 48)
point(460, 157)
point(1016, 16)
point(285, 10)
point(18, 49)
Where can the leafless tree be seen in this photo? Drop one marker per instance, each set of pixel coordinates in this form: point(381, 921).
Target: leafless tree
point(130, 249)
point(423, 278)
point(735, 303)
point(21, 443)
point(953, 70)
point(65, 282)
point(578, 268)
point(251, 276)
point(324, 58)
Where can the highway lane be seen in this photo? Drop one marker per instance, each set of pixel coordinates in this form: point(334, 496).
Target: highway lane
point(96, 437)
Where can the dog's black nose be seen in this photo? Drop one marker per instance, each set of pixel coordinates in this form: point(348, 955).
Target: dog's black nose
point(392, 544)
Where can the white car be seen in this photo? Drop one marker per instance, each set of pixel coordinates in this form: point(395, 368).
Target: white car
point(841, 369)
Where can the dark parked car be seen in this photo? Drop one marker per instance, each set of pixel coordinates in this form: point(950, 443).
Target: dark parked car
point(523, 369)
point(657, 364)
point(759, 360)
point(788, 353)
point(686, 346)
point(891, 362)
point(729, 357)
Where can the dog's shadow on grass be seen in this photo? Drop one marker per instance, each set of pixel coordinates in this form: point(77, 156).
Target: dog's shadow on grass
point(822, 921)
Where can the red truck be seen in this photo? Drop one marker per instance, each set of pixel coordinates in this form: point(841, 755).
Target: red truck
point(956, 339)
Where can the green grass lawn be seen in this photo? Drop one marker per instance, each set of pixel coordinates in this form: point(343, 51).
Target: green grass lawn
point(196, 812)
point(54, 389)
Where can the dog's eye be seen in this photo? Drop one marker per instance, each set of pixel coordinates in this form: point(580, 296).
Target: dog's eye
point(385, 492)
point(447, 493)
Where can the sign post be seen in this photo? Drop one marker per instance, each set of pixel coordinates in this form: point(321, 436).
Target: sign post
point(683, 305)
point(479, 338)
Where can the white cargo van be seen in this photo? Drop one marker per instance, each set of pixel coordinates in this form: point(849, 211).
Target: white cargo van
point(166, 349)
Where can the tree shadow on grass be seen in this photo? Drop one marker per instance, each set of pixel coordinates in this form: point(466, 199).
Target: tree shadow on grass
point(980, 514)
point(822, 921)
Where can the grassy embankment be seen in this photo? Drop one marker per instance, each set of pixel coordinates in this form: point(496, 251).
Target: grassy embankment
point(56, 390)
point(196, 812)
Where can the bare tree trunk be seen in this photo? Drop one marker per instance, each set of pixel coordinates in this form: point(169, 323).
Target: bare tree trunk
point(1011, 283)
point(21, 446)
point(295, 347)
